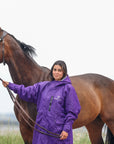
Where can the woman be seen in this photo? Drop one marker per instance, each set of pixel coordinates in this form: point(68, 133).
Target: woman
point(57, 105)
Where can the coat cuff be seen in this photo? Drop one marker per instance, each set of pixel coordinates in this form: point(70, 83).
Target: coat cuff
point(67, 127)
point(10, 85)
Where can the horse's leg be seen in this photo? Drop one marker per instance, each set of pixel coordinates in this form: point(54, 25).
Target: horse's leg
point(95, 131)
point(25, 130)
point(110, 132)
point(26, 134)
point(108, 117)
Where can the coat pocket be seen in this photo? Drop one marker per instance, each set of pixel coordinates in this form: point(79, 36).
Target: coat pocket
point(50, 103)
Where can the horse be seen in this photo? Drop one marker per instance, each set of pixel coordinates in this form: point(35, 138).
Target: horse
point(95, 92)
point(23, 70)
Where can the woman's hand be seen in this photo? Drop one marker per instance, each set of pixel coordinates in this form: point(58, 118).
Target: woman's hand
point(63, 135)
point(5, 84)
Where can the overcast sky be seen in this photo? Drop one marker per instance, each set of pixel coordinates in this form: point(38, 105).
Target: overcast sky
point(80, 32)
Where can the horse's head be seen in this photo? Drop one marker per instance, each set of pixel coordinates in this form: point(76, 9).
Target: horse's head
point(9, 45)
point(2, 45)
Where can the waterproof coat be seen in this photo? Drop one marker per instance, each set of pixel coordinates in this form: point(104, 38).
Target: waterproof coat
point(57, 108)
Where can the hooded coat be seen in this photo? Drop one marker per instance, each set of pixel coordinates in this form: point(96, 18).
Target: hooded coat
point(57, 108)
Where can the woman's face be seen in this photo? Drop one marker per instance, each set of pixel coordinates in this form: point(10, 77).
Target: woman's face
point(57, 72)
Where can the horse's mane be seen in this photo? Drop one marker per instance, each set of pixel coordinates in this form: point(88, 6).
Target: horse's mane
point(27, 49)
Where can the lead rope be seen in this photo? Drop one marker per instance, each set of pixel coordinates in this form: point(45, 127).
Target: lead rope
point(19, 107)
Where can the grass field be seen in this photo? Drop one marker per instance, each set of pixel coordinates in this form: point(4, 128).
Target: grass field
point(10, 134)
point(80, 138)
point(14, 137)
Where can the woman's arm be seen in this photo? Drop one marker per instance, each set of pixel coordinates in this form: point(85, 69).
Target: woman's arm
point(72, 108)
point(29, 93)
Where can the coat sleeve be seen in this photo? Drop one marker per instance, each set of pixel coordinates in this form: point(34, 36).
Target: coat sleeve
point(28, 94)
point(72, 108)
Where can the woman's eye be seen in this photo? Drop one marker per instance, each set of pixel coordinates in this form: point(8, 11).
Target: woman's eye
point(59, 70)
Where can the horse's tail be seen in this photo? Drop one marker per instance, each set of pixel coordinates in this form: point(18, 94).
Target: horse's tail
point(109, 137)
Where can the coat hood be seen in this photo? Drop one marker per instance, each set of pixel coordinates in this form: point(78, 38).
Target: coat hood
point(64, 81)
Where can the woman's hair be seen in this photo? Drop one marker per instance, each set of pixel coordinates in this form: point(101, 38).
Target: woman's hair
point(62, 64)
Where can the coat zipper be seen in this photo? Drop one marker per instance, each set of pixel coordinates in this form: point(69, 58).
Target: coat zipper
point(50, 103)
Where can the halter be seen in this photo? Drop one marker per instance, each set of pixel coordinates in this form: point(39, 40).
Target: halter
point(2, 40)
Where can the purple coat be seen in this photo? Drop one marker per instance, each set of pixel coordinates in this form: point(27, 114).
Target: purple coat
point(57, 108)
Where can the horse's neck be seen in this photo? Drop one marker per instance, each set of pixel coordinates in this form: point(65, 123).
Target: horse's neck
point(24, 70)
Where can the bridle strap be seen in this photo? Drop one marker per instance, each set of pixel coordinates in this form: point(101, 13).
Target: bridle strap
point(3, 35)
point(2, 40)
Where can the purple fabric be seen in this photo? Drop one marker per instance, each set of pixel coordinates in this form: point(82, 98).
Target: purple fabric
point(57, 108)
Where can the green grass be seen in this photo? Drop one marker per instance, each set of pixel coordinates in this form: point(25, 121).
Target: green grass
point(80, 138)
point(15, 138)
point(11, 139)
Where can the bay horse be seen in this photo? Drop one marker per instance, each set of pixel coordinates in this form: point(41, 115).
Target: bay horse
point(95, 92)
